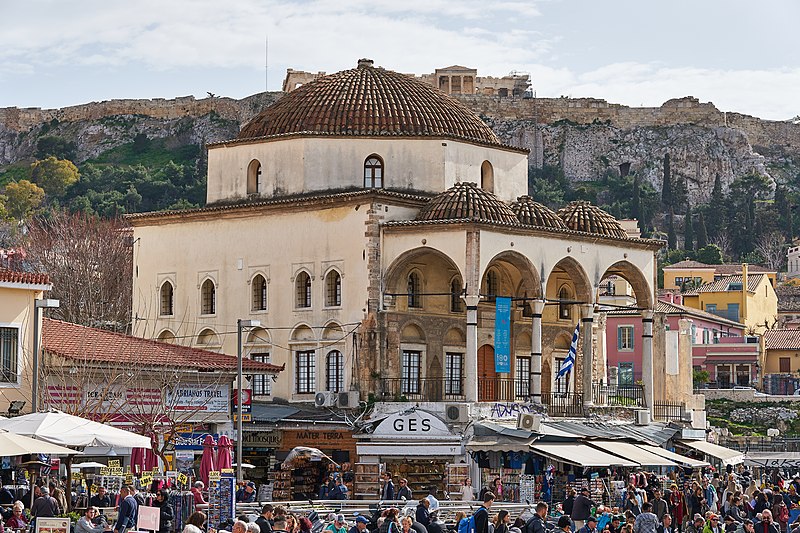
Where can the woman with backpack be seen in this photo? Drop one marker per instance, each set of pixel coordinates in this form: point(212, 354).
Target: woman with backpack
point(780, 512)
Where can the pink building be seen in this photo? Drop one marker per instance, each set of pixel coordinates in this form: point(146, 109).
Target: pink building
point(718, 344)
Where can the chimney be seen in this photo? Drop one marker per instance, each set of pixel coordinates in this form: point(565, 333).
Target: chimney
point(744, 292)
point(365, 63)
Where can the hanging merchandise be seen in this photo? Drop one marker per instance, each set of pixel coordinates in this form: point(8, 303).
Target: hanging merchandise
point(221, 496)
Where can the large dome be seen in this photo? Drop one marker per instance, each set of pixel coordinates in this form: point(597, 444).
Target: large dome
point(369, 101)
point(467, 201)
point(583, 216)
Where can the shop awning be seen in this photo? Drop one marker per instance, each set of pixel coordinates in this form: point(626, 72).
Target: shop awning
point(499, 443)
point(773, 459)
point(672, 456)
point(726, 455)
point(579, 454)
point(410, 449)
point(632, 452)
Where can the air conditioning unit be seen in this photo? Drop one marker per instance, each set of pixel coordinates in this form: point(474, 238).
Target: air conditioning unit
point(348, 399)
point(456, 413)
point(325, 399)
point(529, 422)
point(642, 417)
point(686, 416)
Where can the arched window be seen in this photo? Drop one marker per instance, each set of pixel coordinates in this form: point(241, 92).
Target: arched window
point(167, 299)
point(373, 172)
point(208, 294)
point(564, 308)
point(455, 296)
point(487, 176)
point(414, 290)
point(334, 368)
point(254, 184)
point(333, 289)
point(492, 285)
point(302, 286)
point(259, 288)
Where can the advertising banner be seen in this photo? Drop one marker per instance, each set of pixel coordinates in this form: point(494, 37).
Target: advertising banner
point(502, 335)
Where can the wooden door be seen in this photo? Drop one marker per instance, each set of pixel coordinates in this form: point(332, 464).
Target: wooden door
point(486, 374)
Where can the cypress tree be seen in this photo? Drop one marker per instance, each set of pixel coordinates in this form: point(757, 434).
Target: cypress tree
point(688, 231)
point(666, 186)
point(672, 239)
point(635, 201)
point(716, 210)
point(702, 236)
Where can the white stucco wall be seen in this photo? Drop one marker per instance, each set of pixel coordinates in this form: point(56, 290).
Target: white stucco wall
point(305, 165)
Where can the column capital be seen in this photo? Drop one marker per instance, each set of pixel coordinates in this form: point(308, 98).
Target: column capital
point(587, 310)
point(647, 314)
point(472, 300)
point(538, 307)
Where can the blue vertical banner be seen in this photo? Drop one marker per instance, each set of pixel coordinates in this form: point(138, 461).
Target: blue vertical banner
point(502, 335)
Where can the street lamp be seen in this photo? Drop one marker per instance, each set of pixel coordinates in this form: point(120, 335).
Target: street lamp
point(45, 303)
point(240, 325)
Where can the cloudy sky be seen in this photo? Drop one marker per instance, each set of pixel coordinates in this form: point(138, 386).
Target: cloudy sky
point(739, 54)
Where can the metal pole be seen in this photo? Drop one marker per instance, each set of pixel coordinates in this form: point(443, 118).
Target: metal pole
point(35, 383)
point(239, 434)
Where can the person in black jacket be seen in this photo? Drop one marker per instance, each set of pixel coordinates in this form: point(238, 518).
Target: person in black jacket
point(537, 524)
point(566, 505)
point(422, 514)
point(167, 512)
point(482, 514)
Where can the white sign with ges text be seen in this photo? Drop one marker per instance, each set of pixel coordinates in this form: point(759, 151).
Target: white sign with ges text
point(413, 425)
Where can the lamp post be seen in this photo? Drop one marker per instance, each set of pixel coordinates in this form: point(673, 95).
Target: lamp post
point(45, 303)
point(240, 325)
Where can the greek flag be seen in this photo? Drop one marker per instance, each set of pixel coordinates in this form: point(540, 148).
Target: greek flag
point(569, 362)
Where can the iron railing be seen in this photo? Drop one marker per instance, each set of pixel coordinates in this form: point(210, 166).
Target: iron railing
point(618, 395)
point(424, 389)
point(503, 390)
point(668, 411)
point(563, 403)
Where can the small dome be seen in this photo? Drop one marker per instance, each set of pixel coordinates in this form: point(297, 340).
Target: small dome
point(369, 101)
point(467, 201)
point(583, 216)
point(532, 213)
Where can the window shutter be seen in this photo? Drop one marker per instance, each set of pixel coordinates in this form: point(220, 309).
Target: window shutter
point(619, 338)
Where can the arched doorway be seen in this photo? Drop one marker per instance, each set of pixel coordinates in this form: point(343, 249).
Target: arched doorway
point(487, 377)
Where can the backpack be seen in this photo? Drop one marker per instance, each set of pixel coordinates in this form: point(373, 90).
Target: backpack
point(467, 525)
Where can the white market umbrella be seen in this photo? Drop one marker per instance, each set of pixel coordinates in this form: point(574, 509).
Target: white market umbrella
point(244, 465)
point(68, 430)
point(88, 464)
point(12, 444)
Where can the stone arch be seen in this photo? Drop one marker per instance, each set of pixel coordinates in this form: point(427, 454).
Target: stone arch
point(436, 270)
point(208, 337)
point(254, 177)
point(518, 274)
point(522, 342)
point(455, 336)
point(641, 288)
point(166, 335)
point(412, 332)
point(579, 281)
point(303, 333)
point(259, 336)
point(333, 332)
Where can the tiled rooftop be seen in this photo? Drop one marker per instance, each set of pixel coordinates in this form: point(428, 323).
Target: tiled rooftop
point(583, 216)
point(532, 213)
point(467, 201)
point(782, 339)
point(73, 341)
point(369, 101)
point(30, 278)
point(721, 284)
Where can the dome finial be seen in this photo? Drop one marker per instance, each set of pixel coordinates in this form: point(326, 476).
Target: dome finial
point(365, 63)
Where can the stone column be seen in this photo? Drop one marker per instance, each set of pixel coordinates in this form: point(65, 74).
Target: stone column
point(647, 358)
point(536, 352)
point(471, 364)
point(587, 310)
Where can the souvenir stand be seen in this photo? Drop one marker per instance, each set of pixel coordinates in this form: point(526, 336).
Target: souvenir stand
point(303, 473)
point(221, 498)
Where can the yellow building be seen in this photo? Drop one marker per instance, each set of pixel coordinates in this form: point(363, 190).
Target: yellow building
point(782, 347)
point(689, 274)
point(748, 299)
point(18, 291)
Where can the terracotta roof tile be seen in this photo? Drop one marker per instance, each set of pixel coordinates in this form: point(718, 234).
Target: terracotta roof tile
point(583, 216)
point(687, 263)
point(73, 341)
point(669, 308)
point(467, 201)
point(31, 278)
point(782, 339)
point(369, 101)
point(730, 269)
point(532, 213)
point(721, 284)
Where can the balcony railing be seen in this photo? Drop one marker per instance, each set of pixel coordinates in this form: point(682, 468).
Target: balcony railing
point(563, 404)
point(668, 411)
point(618, 395)
point(503, 390)
point(425, 389)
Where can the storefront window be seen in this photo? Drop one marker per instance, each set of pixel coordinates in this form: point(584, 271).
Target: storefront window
point(625, 375)
point(743, 374)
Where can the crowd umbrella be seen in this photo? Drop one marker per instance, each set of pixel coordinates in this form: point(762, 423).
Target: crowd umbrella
point(207, 460)
point(224, 452)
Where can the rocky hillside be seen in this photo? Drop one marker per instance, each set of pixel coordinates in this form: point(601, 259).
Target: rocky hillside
point(582, 140)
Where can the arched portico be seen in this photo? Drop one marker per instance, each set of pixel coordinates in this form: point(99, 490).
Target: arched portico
point(642, 289)
point(422, 277)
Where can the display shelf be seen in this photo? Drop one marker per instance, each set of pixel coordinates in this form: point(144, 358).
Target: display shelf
point(367, 483)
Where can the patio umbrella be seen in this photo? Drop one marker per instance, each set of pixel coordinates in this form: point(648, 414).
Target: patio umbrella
point(150, 460)
point(304, 452)
point(12, 444)
point(69, 430)
point(207, 460)
point(87, 464)
point(137, 460)
point(224, 452)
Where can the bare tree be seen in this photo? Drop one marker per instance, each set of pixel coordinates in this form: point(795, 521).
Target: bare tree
point(724, 243)
point(772, 248)
point(89, 261)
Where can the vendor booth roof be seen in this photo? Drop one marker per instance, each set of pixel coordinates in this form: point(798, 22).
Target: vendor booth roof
point(579, 454)
point(655, 434)
point(773, 459)
point(493, 437)
point(672, 456)
point(726, 455)
point(632, 452)
point(399, 450)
